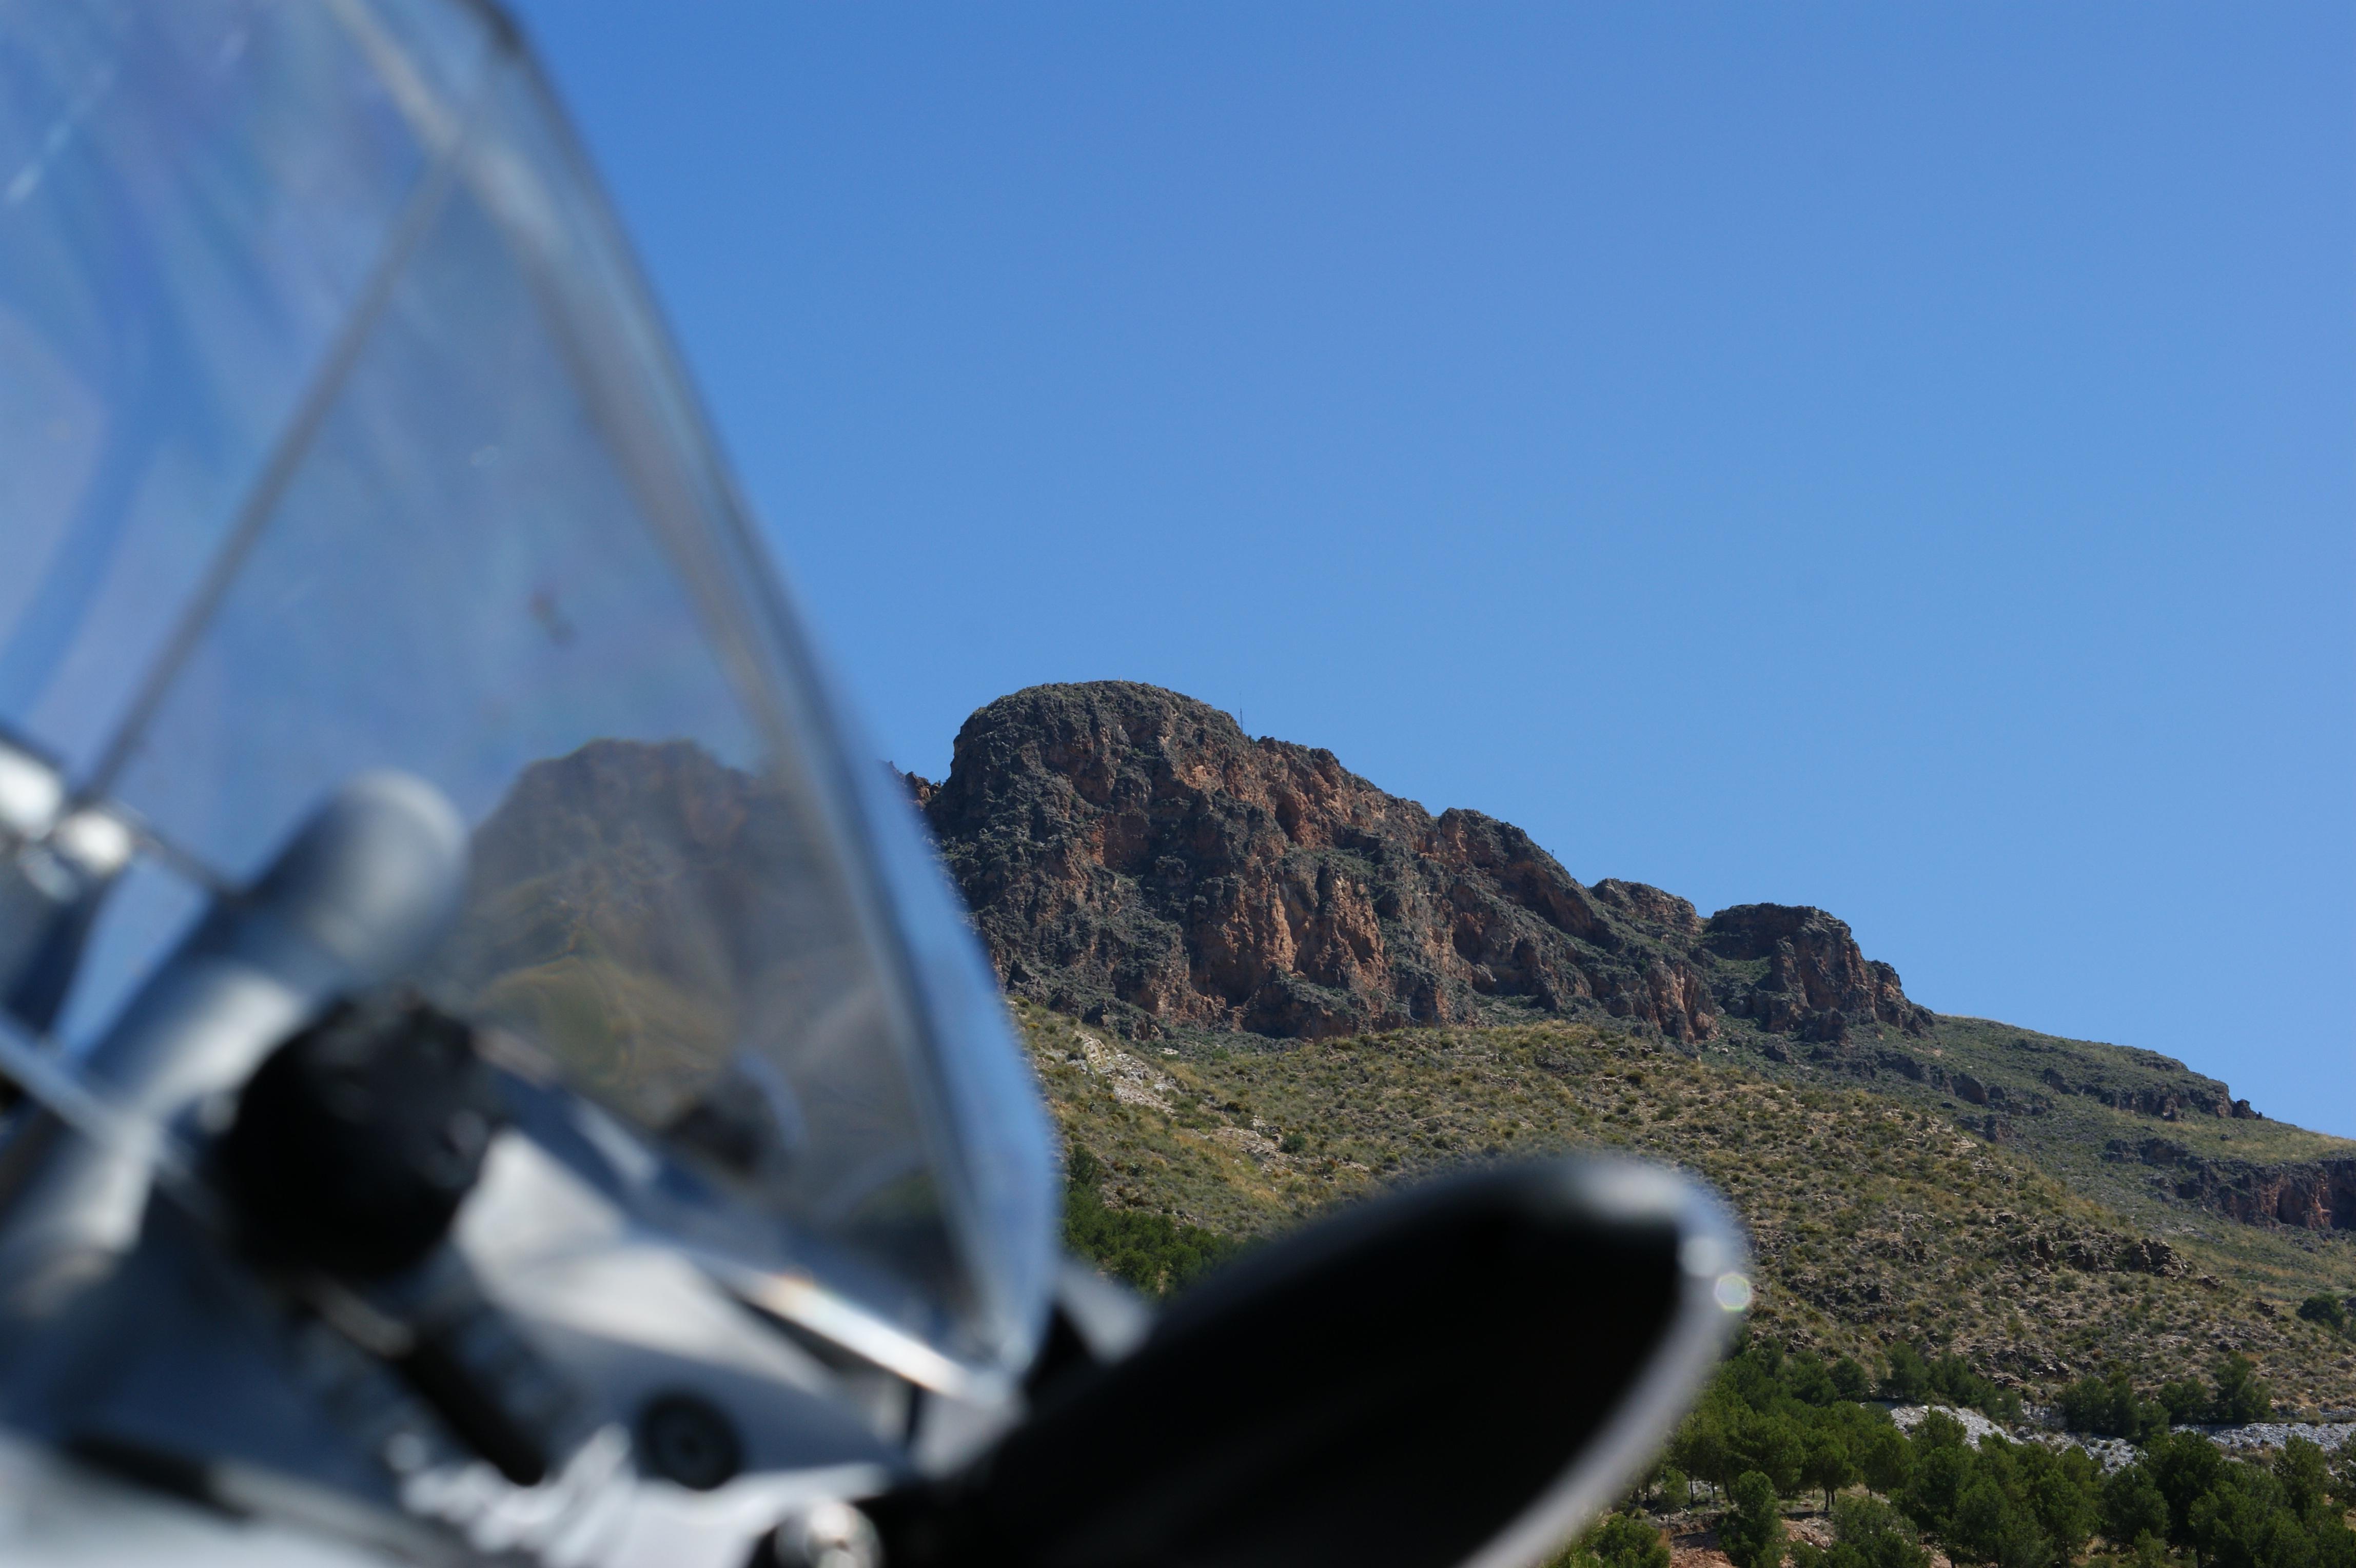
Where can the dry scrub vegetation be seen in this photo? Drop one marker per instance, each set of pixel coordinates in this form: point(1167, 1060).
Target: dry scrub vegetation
point(1874, 1221)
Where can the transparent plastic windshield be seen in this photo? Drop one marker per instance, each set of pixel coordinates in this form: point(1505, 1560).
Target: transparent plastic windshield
point(335, 434)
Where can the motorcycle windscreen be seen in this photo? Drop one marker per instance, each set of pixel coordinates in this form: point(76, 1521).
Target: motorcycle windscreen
point(336, 434)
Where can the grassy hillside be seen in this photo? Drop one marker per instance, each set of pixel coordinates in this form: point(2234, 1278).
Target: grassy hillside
point(1878, 1217)
point(2098, 1150)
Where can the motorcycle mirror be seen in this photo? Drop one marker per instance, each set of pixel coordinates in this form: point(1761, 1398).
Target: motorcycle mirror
point(1458, 1374)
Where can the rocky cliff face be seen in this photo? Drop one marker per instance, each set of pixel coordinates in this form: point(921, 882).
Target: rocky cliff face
point(2317, 1196)
point(1817, 983)
point(1130, 853)
point(2308, 1194)
point(2169, 1102)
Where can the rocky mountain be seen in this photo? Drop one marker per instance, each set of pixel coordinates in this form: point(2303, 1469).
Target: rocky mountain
point(1135, 861)
point(1131, 855)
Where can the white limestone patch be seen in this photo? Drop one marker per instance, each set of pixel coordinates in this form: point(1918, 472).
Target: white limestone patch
point(1977, 1428)
point(1131, 1081)
point(2326, 1435)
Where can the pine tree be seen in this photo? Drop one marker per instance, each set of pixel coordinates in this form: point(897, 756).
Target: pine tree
point(1751, 1533)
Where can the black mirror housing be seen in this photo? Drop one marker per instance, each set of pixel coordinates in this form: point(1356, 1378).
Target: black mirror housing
point(1456, 1374)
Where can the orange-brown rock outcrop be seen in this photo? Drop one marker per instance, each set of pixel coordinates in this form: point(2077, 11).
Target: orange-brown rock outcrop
point(1130, 852)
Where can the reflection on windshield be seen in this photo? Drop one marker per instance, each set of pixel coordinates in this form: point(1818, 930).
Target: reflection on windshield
point(616, 895)
point(656, 921)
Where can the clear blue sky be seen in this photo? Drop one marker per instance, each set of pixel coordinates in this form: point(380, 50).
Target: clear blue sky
point(1900, 459)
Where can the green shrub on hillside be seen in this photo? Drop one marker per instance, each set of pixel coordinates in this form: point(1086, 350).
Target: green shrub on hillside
point(1867, 1533)
point(2327, 1309)
point(2240, 1395)
point(2341, 1482)
point(2306, 1477)
point(1949, 1379)
point(2185, 1400)
point(1751, 1533)
point(1907, 1378)
point(1157, 1254)
point(2132, 1508)
point(2183, 1466)
point(1616, 1540)
point(1627, 1540)
point(2108, 1406)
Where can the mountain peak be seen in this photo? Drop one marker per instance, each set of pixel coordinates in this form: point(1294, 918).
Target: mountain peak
point(1131, 855)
